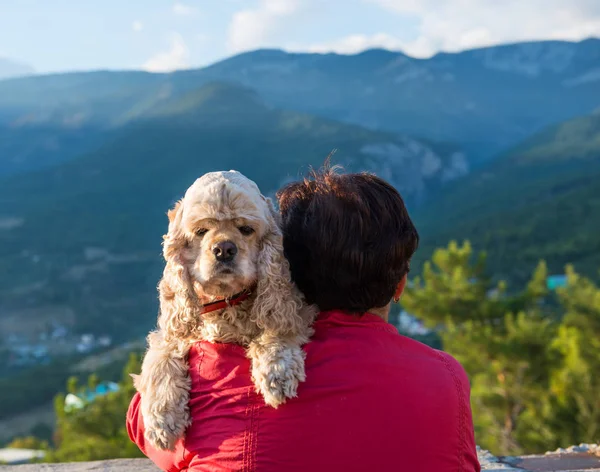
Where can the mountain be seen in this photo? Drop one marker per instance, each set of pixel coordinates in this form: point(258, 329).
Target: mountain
point(30, 148)
point(540, 200)
point(91, 161)
point(486, 100)
point(84, 236)
point(13, 69)
point(47, 120)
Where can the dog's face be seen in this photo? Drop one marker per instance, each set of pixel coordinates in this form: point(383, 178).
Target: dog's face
point(224, 237)
point(222, 255)
point(223, 218)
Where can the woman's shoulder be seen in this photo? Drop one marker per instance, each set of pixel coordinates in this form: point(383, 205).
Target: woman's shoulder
point(368, 345)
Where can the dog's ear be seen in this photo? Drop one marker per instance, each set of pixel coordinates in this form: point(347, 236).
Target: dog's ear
point(174, 240)
point(179, 317)
point(174, 212)
point(277, 306)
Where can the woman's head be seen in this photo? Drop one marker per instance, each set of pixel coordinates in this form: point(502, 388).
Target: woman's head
point(348, 239)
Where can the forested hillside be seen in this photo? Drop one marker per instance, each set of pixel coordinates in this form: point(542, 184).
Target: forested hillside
point(540, 200)
point(85, 235)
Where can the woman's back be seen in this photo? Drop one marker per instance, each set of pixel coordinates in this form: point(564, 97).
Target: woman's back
point(373, 400)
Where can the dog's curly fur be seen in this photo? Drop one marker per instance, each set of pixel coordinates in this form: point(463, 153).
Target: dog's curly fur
point(273, 323)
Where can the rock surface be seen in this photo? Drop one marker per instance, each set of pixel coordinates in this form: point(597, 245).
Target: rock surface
point(117, 465)
point(582, 458)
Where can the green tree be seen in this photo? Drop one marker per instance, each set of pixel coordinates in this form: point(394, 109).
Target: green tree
point(503, 340)
point(93, 382)
point(72, 385)
point(96, 431)
point(28, 442)
point(575, 383)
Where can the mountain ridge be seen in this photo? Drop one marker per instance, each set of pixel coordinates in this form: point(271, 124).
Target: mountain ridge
point(486, 99)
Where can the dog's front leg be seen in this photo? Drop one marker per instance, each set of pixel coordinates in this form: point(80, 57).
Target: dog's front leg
point(277, 366)
point(164, 387)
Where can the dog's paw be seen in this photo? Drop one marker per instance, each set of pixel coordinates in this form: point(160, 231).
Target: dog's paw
point(163, 429)
point(277, 374)
point(164, 424)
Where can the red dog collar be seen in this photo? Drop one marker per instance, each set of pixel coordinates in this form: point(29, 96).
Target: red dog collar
point(227, 302)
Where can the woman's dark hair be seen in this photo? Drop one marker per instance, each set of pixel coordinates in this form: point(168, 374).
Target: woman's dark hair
point(348, 239)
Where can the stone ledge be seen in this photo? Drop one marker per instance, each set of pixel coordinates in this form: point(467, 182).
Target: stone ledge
point(117, 465)
point(582, 458)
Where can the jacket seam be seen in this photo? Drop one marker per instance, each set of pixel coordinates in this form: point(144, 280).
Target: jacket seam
point(247, 435)
point(461, 410)
point(184, 450)
point(254, 431)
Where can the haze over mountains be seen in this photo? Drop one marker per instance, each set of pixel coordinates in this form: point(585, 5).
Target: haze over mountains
point(90, 162)
point(486, 99)
point(10, 69)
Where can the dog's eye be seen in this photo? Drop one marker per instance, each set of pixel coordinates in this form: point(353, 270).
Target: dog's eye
point(246, 230)
point(201, 232)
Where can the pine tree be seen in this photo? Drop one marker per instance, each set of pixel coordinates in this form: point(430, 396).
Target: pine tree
point(503, 341)
point(575, 382)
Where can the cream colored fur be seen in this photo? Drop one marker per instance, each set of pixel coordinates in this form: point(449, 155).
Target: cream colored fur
point(273, 323)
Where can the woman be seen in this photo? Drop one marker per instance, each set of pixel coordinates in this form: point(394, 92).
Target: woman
point(372, 400)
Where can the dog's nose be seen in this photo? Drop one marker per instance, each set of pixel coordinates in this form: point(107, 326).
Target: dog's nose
point(224, 251)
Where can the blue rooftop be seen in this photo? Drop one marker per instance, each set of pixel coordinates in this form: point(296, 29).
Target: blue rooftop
point(76, 401)
point(556, 281)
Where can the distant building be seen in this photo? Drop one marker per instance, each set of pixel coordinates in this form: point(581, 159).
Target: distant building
point(12, 456)
point(409, 324)
point(39, 352)
point(556, 281)
point(104, 341)
point(79, 400)
point(59, 332)
point(28, 354)
point(86, 343)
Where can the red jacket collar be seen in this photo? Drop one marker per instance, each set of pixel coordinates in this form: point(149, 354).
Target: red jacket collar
point(340, 317)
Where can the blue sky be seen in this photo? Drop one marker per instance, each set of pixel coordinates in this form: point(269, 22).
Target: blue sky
point(163, 35)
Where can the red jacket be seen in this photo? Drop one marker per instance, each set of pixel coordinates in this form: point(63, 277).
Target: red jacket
point(373, 401)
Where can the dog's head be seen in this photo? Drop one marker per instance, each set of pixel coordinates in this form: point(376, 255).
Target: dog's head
point(224, 238)
point(216, 232)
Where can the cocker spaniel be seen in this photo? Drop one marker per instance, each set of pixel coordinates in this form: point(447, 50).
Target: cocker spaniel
point(225, 280)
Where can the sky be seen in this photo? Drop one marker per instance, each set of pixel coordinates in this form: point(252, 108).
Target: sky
point(165, 35)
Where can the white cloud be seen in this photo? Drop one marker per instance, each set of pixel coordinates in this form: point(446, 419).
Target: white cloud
point(166, 61)
point(356, 43)
point(439, 25)
point(251, 29)
point(183, 9)
point(453, 25)
point(137, 26)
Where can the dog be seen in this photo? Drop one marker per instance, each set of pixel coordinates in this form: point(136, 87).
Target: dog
point(225, 280)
